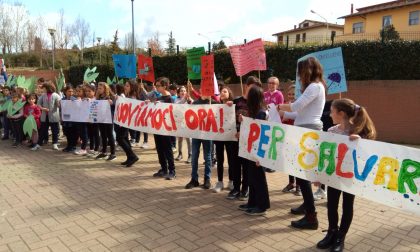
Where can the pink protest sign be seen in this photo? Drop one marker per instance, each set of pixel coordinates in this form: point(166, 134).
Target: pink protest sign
point(248, 57)
point(207, 75)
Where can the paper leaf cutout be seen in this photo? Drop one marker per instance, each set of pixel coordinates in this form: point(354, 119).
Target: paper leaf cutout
point(5, 105)
point(29, 125)
point(90, 75)
point(14, 108)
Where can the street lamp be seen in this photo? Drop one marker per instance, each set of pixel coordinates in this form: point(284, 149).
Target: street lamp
point(132, 26)
point(52, 31)
point(99, 45)
point(209, 39)
point(326, 21)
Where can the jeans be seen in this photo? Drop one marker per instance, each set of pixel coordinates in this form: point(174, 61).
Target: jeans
point(44, 131)
point(207, 158)
point(6, 125)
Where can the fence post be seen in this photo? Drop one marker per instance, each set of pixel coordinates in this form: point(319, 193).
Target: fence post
point(332, 38)
point(287, 42)
point(382, 34)
point(177, 49)
point(209, 47)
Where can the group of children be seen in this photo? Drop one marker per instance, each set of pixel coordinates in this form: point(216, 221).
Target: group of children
point(247, 179)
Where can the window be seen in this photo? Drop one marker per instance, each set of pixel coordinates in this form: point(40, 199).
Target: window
point(386, 21)
point(297, 38)
point(413, 18)
point(358, 27)
point(306, 25)
point(304, 37)
point(280, 39)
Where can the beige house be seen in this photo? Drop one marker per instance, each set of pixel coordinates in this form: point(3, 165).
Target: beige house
point(309, 32)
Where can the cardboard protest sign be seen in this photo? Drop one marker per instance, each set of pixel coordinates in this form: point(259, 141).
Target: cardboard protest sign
point(125, 65)
point(194, 62)
point(208, 122)
point(29, 126)
point(94, 111)
point(248, 57)
point(334, 73)
point(381, 172)
point(146, 70)
point(207, 75)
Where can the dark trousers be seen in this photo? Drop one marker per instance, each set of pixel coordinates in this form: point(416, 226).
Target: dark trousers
point(145, 136)
point(17, 126)
point(122, 139)
point(107, 137)
point(258, 189)
point(165, 154)
point(6, 125)
point(93, 133)
point(71, 133)
point(133, 134)
point(347, 217)
point(239, 170)
point(291, 179)
point(173, 141)
point(220, 157)
point(44, 131)
point(82, 133)
point(308, 197)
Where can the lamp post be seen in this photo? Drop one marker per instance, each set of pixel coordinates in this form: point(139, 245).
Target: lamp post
point(52, 31)
point(132, 26)
point(99, 45)
point(209, 39)
point(326, 21)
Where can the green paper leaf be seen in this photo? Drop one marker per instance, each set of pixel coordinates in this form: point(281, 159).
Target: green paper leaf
point(20, 81)
point(5, 105)
point(11, 80)
point(114, 80)
point(29, 126)
point(108, 80)
point(61, 81)
point(32, 86)
point(13, 108)
point(90, 75)
point(121, 82)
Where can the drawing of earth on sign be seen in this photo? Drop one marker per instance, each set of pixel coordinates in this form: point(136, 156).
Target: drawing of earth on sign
point(334, 80)
point(196, 69)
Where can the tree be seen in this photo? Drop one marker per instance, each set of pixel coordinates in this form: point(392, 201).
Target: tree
point(19, 19)
point(218, 46)
point(154, 44)
point(128, 42)
point(171, 50)
point(389, 33)
point(114, 44)
point(6, 29)
point(81, 31)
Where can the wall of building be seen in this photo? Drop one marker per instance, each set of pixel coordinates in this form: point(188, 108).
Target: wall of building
point(318, 34)
point(373, 21)
point(393, 105)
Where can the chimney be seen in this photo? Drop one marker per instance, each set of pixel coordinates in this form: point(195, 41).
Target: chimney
point(351, 10)
point(295, 27)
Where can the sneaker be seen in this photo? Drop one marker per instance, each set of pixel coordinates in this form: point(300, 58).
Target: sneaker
point(80, 152)
point(101, 156)
point(269, 170)
point(233, 194)
point(219, 187)
point(144, 146)
point(174, 150)
point(160, 174)
point(288, 188)
point(193, 183)
point(111, 157)
point(179, 158)
point(244, 196)
point(189, 159)
point(207, 184)
point(230, 185)
point(255, 212)
point(171, 175)
point(244, 207)
point(298, 192)
point(213, 162)
point(55, 147)
point(320, 194)
point(36, 147)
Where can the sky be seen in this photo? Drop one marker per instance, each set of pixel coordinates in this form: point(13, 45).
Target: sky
point(193, 22)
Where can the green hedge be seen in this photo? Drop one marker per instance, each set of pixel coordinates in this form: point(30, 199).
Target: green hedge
point(363, 60)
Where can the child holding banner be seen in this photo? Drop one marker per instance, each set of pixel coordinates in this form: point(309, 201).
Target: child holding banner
point(106, 130)
point(258, 201)
point(163, 143)
point(81, 126)
point(183, 98)
point(70, 128)
point(92, 128)
point(352, 120)
point(239, 169)
point(308, 108)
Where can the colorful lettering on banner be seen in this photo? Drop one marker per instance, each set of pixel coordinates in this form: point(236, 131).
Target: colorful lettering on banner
point(248, 57)
point(94, 111)
point(146, 70)
point(381, 172)
point(208, 122)
point(207, 75)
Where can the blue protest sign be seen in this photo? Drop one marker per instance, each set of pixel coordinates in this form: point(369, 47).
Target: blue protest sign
point(125, 65)
point(334, 74)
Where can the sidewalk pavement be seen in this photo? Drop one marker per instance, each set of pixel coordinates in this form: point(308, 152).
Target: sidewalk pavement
point(52, 201)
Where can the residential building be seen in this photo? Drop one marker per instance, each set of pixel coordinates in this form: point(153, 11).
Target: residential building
point(309, 31)
point(368, 21)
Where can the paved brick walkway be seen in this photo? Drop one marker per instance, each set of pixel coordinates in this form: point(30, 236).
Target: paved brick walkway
point(51, 201)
